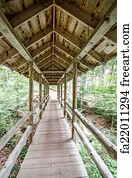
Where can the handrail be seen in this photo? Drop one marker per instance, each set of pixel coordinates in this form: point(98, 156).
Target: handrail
point(69, 114)
point(5, 171)
point(13, 130)
point(35, 118)
point(69, 105)
point(109, 146)
point(104, 171)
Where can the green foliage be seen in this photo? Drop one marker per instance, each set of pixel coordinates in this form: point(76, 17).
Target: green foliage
point(98, 87)
point(13, 98)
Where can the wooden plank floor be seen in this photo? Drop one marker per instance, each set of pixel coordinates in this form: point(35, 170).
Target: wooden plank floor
point(52, 154)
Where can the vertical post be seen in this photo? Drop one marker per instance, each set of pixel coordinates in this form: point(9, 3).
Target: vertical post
point(48, 91)
point(58, 91)
point(40, 96)
point(74, 95)
point(31, 98)
point(65, 92)
point(44, 91)
point(61, 95)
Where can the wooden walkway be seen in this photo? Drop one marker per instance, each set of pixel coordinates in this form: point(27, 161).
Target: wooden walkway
point(52, 154)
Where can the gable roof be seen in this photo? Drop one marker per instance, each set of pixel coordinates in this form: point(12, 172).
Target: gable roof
point(53, 34)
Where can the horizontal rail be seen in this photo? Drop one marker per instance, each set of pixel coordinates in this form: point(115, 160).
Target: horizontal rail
point(69, 114)
point(104, 171)
point(36, 117)
point(109, 146)
point(13, 130)
point(69, 105)
point(5, 171)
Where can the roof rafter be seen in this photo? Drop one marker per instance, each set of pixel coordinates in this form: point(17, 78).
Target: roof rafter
point(82, 16)
point(8, 32)
point(29, 13)
point(102, 28)
point(28, 43)
point(78, 43)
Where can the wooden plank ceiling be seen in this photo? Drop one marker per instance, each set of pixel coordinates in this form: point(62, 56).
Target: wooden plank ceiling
point(53, 34)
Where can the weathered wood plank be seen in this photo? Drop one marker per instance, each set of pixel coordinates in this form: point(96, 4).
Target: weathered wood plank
point(52, 149)
point(7, 30)
point(82, 17)
point(51, 161)
point(55, 172)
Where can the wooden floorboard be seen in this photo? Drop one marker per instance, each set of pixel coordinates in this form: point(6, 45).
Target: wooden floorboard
point(52, 154)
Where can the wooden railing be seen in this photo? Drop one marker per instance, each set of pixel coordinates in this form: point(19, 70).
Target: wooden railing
point(105, 142)
point(5, 171)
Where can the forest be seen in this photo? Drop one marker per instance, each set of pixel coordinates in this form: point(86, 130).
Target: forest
point(96, 100)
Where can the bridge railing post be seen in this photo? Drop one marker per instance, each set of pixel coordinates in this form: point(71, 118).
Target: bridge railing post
point(61, 95)
point(74, 97)
point(65, 93)
point(40, 96)
point(31, 98)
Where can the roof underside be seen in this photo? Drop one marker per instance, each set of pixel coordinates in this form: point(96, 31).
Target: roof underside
point(53, 34)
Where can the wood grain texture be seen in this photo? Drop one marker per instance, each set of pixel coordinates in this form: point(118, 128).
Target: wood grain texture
point(52, 153)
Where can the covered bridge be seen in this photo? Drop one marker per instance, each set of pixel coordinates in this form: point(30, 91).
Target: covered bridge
point(53, 41)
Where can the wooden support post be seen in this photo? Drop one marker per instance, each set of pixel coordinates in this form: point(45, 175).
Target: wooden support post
point(44, 91)
point(31, 98)
point(61, 95)
point(48, 91)
point(40, 96)
point(65, 92)
point(58, 91)
point(74, 95)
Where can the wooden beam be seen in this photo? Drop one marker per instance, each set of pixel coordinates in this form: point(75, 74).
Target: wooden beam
point(45, 66)
point(29, 13)
point(65, 94)
point(61, 94)
point(44, 91)
point(40, 96)
point(61, 62)
point(74, 96)
point(102, 28)
point(83, 17)
point(71, 54)
point(62, 56)
point(36, 52)
point(9, 33)
point(37, 37)
point(53, 71)
point(64, 49)
point(58, 92)
point(31, 98)
point(41, 58)
point(77, 43)
point(69, 37)
point(41, 49)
